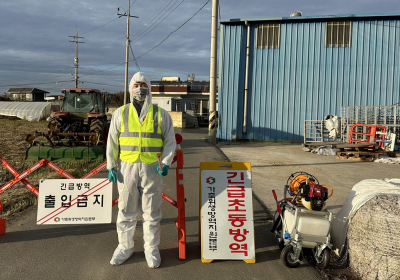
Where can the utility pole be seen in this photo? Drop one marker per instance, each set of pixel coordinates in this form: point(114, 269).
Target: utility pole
point(76, 41)
point(212, 128)
point(128, 15)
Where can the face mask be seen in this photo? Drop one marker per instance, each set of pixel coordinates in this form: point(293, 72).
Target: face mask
point(140, 93)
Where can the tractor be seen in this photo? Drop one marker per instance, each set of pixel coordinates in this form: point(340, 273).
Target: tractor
point(78, 131)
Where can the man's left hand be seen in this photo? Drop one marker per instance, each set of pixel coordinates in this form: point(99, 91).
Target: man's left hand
point(163, 172)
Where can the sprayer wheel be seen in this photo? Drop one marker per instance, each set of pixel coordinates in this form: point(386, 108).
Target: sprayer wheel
point(287, 257)
point(323, 260)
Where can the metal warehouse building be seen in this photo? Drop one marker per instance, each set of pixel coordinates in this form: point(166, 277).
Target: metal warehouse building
point(303, 68)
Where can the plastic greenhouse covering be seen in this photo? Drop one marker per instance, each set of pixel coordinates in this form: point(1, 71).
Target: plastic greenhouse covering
point(31, 111)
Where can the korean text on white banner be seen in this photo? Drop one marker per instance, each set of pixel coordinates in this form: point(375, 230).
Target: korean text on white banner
point(226, 212)
point(74, 201)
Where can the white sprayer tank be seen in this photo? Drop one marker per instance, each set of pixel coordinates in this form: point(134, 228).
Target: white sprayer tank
point(310, 228)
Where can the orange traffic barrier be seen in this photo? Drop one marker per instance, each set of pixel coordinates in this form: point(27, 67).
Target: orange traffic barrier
point(2, 222)
point(179, 203)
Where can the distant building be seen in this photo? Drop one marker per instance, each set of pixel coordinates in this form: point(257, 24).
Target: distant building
point(54, 97)
point(170, 79)
point(27, 94)
point(180, 95)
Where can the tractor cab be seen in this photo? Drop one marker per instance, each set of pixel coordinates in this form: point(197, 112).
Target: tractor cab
point(82, 100)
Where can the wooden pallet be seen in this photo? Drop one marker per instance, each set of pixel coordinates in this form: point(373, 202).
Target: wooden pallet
point(315, 145)
point(361, 158)
point(359, 152)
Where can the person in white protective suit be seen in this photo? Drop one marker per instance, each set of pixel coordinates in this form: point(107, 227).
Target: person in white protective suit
point(138, 132)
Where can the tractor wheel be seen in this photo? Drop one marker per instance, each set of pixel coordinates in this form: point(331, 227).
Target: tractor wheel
point(55, 125)
point(97, 126)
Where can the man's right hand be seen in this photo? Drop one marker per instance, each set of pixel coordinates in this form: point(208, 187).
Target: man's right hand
point(112, 175)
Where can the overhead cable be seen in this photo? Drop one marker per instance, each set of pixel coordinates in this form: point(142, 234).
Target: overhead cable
point(103, 84)
point(174, 31)
point(104, 69)
point(147, 24)
point(134, 58)
point(145, 34)
point(36, 84)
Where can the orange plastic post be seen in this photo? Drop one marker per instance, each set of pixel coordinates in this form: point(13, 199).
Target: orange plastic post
point(2, 222)
point(180, 192)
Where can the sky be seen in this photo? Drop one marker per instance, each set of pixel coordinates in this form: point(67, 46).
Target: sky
point(35, 50)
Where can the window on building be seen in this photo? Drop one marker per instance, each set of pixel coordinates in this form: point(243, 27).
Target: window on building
point(338, 34)
point(268, 36)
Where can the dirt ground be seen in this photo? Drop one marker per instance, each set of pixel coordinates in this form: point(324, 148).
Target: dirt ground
point(272, 163)
point(12, 149)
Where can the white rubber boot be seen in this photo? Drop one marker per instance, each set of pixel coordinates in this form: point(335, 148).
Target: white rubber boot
point(153, 258)
point(120, 256)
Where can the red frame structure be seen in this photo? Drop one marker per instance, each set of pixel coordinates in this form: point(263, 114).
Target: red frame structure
point(371, 135)
point(179, 203)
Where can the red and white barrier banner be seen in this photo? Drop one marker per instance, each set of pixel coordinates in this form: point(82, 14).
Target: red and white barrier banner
point(16, 174)
point(227, 224)
point(95, 171)
point(74, 201)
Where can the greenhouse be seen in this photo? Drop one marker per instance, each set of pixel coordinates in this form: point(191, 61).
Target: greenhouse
point(31, 111)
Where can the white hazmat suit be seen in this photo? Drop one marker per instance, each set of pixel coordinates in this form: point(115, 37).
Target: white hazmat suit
point(139, 185)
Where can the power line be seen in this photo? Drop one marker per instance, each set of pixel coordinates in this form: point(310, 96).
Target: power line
point(134, 59)
point(27, 66)
point(100, 26)
point(104, 69)
point(145, 34)
point(104, 84)
point(106, 22)
point(154, 46)
point(174, 31)
point(147, 24)
point(42, 80)
point(35, 84)
point(132, 3)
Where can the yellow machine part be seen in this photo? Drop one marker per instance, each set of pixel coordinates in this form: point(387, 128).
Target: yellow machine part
point(95, 139)
point(296, 181)
point(307, 204)
point(294, 188)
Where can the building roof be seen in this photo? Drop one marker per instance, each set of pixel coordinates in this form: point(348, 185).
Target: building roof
point(315, 18)
point(25, 90)
point(80, 90)
point(55, 95)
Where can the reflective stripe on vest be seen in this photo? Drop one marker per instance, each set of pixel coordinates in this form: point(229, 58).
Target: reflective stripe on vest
point(140, 140)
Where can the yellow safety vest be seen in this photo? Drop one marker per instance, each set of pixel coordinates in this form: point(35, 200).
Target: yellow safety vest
point(140, 140)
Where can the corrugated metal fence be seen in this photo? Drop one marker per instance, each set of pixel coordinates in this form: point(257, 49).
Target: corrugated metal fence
point(303, 79)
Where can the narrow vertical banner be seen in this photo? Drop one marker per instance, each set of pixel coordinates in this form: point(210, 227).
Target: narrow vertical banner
point(226, 212)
